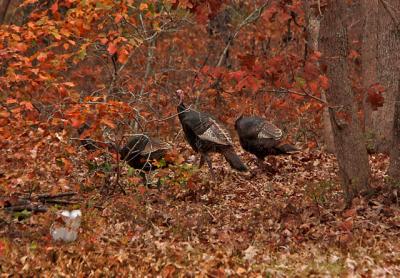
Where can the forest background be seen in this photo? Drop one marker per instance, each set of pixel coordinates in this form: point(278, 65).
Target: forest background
point(326, 72)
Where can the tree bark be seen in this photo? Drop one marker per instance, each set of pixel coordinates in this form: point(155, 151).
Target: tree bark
point(312, 22)
point(379, 46)
point(4, 7)
point(348, 137)
point(394, 166)
point(393, 58)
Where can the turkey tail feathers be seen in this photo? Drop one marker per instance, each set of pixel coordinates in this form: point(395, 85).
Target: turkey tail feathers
point(234, 160)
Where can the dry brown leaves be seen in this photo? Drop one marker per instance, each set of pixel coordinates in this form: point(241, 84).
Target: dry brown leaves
point(290, 223)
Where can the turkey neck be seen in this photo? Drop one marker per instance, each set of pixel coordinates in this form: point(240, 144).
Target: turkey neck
point(181, 109)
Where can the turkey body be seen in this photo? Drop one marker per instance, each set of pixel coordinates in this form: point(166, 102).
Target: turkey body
point(141, 150)
point(205, 135)
point(261, 138)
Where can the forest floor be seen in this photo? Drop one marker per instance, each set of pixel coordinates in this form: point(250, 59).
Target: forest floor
point(289, 223)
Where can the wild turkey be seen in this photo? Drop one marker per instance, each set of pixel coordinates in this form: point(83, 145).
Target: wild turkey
point(205, 135)
point(261, 138)
point(141, 150)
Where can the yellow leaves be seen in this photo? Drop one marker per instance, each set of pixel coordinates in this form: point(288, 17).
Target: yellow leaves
point(143, 6)
point(11, 101)
point(55, 34)
point(65, 32)
point(44, 77)
point(15, 37)
point(240, 271)
point(4, 114)
point(27, 2)
point(35, 71)
point(69, 84)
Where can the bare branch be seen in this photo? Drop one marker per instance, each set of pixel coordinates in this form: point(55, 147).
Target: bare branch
point(304, 93)
point(254, 16)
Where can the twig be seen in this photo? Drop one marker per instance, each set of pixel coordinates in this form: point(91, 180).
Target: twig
point(319, 7)
point(249, 19)
point(304, 94)
point(212, 215)
point(195, 77)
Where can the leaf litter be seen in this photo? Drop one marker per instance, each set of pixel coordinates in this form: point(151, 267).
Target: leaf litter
point(289, 223)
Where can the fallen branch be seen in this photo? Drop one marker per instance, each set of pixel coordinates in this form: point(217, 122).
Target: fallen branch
point(29, 203)
point(33, 208)
point(61, 202)
point(59, 195)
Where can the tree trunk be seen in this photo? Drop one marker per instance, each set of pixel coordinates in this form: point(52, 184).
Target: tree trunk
point(379, 46)
point(393, 59)
point(394, 166)
point(312, 33)
point(4, 7)
point(349, 143)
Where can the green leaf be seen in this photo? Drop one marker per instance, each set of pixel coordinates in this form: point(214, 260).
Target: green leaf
point(131, 172)
point(162, 162)
point(21, 215)
point(101, 6)
point(33, 246)
point(82, 53)
point(300, 81)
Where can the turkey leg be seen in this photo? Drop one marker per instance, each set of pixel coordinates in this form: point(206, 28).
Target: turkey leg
point(201, 161)
point(209, 163)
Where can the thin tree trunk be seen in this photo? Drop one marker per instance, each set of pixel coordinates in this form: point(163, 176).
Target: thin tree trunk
point(394, 166)
point(5, 4)
point(312, 33)
point(349, 143)
point(379, 65)
point(369, 60)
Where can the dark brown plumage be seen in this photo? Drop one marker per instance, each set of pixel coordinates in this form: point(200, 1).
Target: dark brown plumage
point(140, 153)
point(141, 150)
point(205, 135)
point(261, 138)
